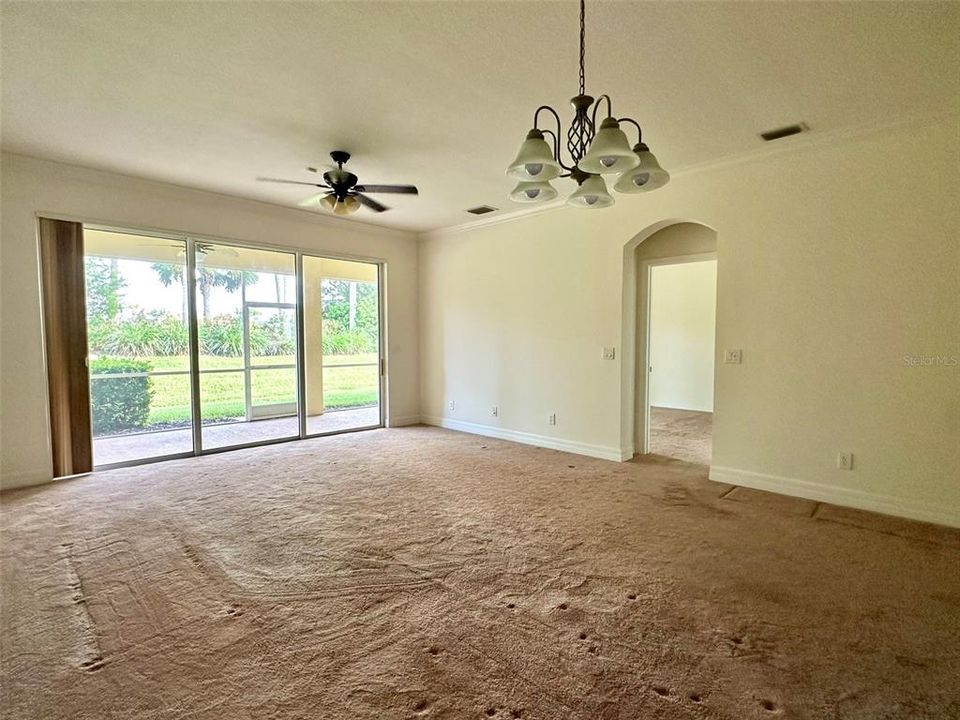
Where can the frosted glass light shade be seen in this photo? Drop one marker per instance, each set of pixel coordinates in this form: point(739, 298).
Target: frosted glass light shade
point(644, 178)
point(609, 152)
point(329, 200)
point(348, 206)
point(533, 192)
point(592, 193)
point(534, 161)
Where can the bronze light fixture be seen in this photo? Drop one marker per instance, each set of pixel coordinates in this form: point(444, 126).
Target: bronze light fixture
point(593, 153)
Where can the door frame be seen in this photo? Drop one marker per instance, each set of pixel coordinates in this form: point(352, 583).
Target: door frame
point(646, 275)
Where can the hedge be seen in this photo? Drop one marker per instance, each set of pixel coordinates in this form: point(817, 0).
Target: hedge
point(119, 404)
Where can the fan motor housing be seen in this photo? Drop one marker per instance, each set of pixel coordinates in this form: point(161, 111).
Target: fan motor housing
point(340, 180)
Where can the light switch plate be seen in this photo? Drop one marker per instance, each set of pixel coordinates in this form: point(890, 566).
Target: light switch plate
point(609, 353)
point(732, 357)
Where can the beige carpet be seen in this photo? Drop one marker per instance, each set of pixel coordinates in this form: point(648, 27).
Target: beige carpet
point(421, 573)
point(681, 434)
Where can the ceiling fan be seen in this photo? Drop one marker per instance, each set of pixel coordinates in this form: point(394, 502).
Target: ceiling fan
point(342, 193)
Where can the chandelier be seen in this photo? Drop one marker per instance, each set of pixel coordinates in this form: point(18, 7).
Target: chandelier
point(593, 153)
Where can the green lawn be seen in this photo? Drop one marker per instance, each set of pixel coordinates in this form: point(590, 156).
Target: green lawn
point(222, 394)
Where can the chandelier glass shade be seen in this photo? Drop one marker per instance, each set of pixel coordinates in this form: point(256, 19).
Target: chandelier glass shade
point(532, 192)
point(647, 176)
point(534, 161)
point(592, 193)
point(590, 153)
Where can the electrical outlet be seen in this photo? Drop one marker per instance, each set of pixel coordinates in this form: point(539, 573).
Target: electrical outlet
point(609, 353)
point(732, 357)
point(452, 405)
point(845, 460)
point(552, 419)
point(495, 411)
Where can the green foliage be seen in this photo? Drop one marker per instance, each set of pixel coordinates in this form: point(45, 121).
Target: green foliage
point(104, 284)
point(142, 335)
point(123, 403)
point(222, 335)
point(274, 336)
point(347, 342)
point(338, 337)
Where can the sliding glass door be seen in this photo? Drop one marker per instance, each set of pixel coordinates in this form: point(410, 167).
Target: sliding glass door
point(246, 301)
point(341, 303)
point(200, 346)
point(138, 346)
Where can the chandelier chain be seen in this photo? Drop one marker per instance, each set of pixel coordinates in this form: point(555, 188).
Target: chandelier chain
point(583, 33)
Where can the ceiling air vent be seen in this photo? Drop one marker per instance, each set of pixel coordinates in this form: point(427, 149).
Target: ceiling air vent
point(481, 210)
point(784, 132)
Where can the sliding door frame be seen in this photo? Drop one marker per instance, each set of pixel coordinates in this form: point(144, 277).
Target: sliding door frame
point(381, 347)
point(299, 253)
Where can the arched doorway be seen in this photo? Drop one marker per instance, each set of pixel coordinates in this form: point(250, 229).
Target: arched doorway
point(678, 252)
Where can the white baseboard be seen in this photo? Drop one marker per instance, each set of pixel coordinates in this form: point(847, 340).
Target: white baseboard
point(846, 497)
point(403, 421)
point(572, 446)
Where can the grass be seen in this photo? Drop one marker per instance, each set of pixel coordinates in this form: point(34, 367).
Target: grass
point(222, 394)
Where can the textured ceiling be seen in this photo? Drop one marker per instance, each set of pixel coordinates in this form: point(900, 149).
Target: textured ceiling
point(440, 94)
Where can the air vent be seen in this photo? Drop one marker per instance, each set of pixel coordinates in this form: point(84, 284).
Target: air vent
point(481, 210)
point(784, 132)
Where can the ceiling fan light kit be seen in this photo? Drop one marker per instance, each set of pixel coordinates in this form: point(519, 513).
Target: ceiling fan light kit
point(593, 153)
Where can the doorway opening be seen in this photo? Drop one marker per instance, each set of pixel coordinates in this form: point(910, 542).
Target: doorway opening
point(669, 340)
point(197, 346)
point(681, 335)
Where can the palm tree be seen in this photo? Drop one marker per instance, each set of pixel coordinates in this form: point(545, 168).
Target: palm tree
point(207, 280)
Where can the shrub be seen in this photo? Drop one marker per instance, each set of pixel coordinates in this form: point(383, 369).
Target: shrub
point(222, 335)
point(348, 342)
point(141, 335)
point(119, 404)
point(171, 337)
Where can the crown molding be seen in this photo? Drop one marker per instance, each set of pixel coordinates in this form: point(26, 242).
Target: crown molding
point(793, 144)
point(330, 221)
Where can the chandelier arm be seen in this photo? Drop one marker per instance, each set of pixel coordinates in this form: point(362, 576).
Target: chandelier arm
point(596, 106)
point(536, 117)
point(556, 143)
point(556, 136)
point(635, 124)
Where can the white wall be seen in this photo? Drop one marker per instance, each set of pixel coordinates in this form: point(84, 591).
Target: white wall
point(31, 187)
point(837, 262)
point(683, 305)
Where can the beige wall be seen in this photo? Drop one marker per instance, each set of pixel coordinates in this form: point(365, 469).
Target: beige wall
point(683, 305)
point(32, 186)
point(837, 262)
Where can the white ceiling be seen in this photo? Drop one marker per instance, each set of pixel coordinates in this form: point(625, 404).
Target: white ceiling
point(440, 94)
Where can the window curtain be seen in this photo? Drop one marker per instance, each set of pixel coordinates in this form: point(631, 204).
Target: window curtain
point(65, 331)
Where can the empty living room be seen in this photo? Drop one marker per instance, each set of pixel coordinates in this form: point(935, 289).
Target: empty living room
point(515, 359)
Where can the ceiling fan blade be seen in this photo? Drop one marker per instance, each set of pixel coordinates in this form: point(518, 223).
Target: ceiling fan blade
point(370, 202)
point(313, 200)
point(399, 189)
point(291, 182)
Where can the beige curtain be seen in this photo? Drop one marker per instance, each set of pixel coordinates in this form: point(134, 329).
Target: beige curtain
point(65, 330)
